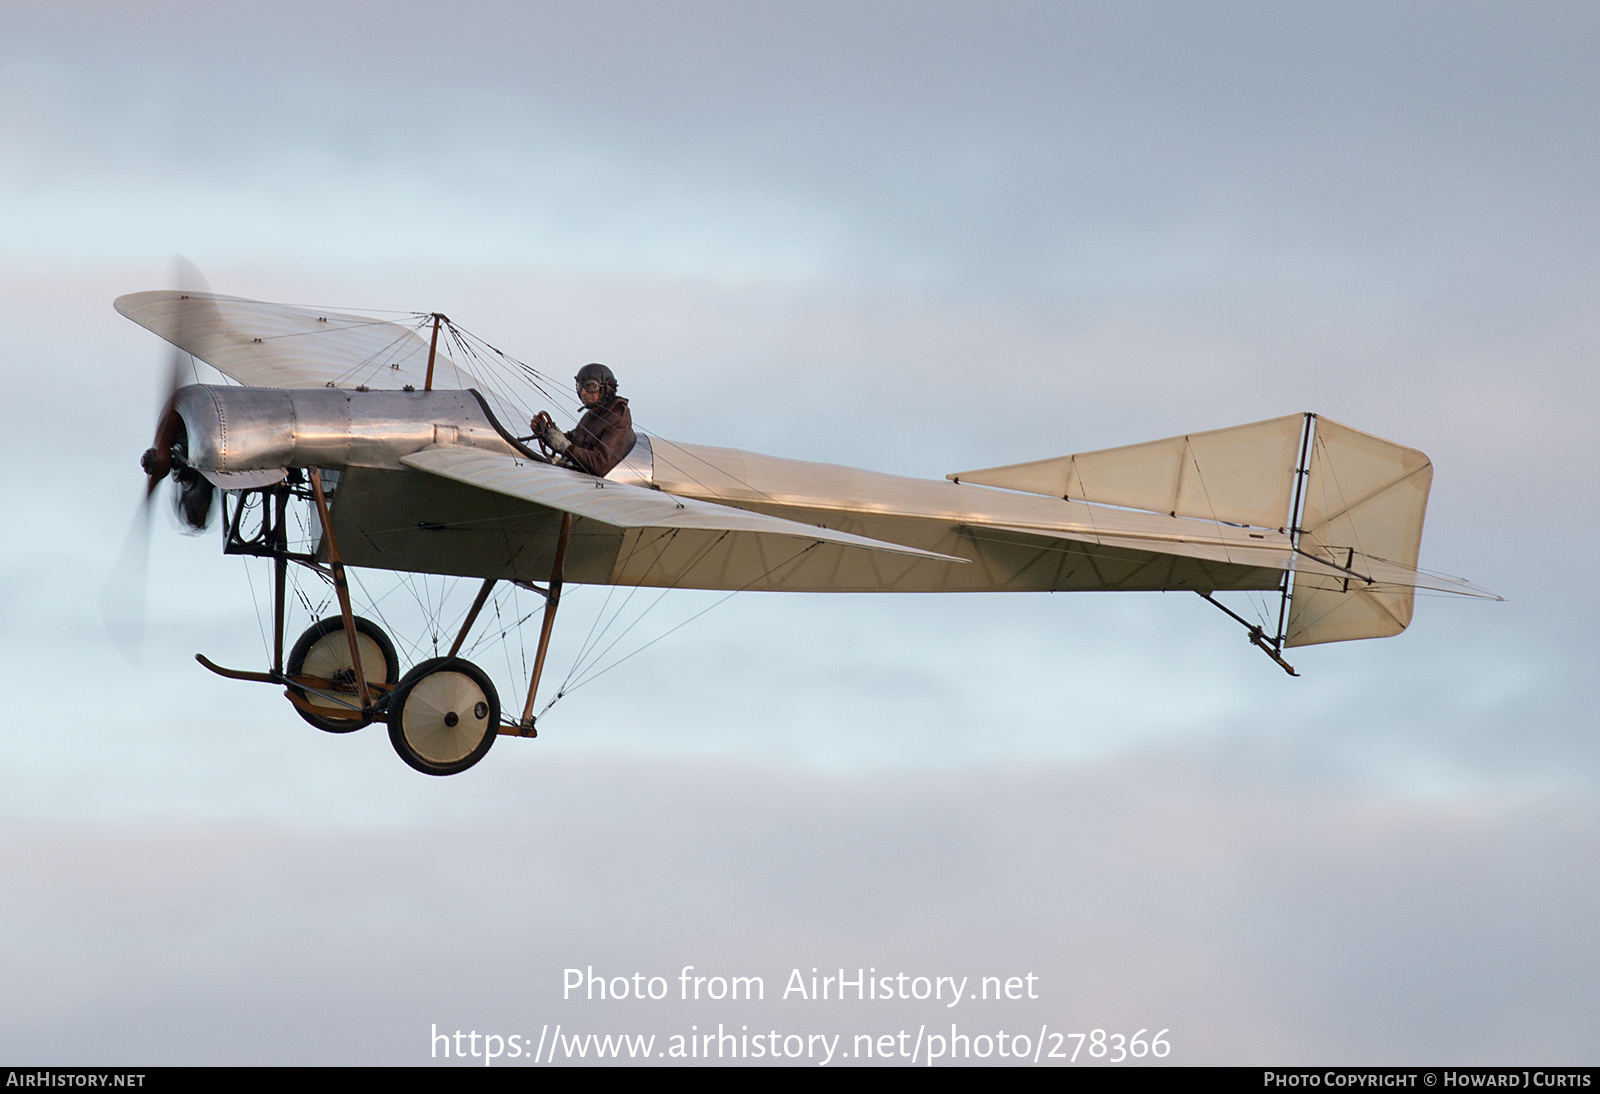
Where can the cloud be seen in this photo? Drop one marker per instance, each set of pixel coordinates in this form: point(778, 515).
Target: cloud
point(1260, 925)
point(913, 239)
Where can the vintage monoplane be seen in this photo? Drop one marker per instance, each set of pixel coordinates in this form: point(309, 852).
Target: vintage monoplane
point(407, 458)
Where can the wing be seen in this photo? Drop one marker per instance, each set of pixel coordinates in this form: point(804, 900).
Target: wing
point(281, 345)
point(664, 540)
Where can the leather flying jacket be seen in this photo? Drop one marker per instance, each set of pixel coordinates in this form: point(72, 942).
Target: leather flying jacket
point(602, 437)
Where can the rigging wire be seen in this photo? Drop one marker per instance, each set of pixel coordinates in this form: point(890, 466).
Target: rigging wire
point(509, 380)
point(666, 544)
point(502, 374)
point(590, 678)
point(255, 603)
point(622, 567)
point(569, 405)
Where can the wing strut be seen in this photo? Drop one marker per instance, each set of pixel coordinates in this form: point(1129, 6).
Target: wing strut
point(552, 600)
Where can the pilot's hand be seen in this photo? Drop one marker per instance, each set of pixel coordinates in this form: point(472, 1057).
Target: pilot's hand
point(547, 433)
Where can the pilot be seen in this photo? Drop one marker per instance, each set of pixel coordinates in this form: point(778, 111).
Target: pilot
point(603, 436)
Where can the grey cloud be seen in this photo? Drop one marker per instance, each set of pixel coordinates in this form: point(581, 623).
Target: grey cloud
point(1029, 144)
point(915, 238)
point(1258, 927)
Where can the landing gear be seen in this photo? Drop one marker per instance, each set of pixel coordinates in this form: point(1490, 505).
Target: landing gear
point(323, 654)
point(343, 672)
point(444, 716)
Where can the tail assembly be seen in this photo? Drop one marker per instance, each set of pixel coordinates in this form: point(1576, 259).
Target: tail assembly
point(1351, 505)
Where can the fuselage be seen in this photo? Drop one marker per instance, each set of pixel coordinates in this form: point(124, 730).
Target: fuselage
point(390, 516)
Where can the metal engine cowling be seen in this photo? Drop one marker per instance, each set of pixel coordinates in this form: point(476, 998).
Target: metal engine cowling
point(251, 429)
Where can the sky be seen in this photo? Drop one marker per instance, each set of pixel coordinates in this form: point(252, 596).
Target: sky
point(916, 238)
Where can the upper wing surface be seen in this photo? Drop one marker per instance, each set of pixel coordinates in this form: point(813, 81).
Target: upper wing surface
point(282, 345)
point(624, 506)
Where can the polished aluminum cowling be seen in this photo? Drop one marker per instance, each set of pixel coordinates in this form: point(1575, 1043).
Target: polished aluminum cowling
point(237, 429)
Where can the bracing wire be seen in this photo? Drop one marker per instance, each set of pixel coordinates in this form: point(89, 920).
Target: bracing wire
point(255, 603)
point(666, 543)
point(596, 674)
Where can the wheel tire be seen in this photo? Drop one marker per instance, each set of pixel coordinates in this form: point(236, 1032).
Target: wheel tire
point(444, 716)
point(324, 651)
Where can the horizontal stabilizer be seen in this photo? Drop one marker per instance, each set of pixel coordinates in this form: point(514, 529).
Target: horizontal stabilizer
point(1378, 572)
point(1352, 571)
point(1273, 556)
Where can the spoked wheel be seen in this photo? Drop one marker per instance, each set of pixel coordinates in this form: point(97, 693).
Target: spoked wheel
point(444, 716)
point(323, 652)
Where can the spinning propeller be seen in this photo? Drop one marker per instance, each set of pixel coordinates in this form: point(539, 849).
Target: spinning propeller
point(122, 601)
